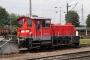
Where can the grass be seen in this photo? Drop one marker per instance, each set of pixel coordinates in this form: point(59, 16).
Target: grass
point(85, 41)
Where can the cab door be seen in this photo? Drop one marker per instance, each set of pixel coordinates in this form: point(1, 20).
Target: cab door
point(46, 29)
point(38, 29)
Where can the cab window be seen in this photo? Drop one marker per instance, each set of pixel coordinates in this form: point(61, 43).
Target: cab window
point(45, 23)
point(37, 24)
point(29, 23)
point(20, 23)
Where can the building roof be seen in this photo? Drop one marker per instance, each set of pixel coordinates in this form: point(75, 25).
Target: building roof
point(80, 28)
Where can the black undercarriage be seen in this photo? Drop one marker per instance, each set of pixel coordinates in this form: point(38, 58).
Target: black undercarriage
point(55, 41)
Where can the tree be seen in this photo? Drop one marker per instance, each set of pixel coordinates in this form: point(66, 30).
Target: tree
point(4, 16)
point(1, 25)
point(88, 21)
point(13, 18)
point(72, 17)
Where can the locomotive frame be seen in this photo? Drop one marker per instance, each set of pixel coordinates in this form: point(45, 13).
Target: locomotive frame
point(36, 32)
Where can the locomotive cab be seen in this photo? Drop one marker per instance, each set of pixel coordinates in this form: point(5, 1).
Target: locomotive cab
point(34, 27)
point(36, 30)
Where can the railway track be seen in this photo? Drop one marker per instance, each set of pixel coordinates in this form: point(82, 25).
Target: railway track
point(71, 56)
point(82, 53)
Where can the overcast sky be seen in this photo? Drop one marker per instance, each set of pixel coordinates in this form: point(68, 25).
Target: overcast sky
point(46, 8)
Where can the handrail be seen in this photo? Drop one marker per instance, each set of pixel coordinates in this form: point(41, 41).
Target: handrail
point(5, 43)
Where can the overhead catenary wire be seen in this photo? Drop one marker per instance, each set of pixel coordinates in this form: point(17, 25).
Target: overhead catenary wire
point(74, 6)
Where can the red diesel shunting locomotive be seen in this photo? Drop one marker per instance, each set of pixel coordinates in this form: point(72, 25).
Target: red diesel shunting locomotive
point(36, 32)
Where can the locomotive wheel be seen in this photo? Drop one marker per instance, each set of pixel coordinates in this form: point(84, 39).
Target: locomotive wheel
point(75, 45)
point(29, 41)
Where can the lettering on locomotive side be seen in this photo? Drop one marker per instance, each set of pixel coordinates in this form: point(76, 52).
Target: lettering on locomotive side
point(46, 34)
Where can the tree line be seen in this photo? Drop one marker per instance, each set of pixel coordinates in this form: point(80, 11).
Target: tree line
point(70, 17)
point(73, 17)
point(6, 19)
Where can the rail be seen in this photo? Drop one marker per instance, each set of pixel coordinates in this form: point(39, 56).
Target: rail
point(70, 56)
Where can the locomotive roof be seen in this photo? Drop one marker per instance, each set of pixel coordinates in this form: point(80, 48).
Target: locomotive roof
point(40, 18)
point(36, 18)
